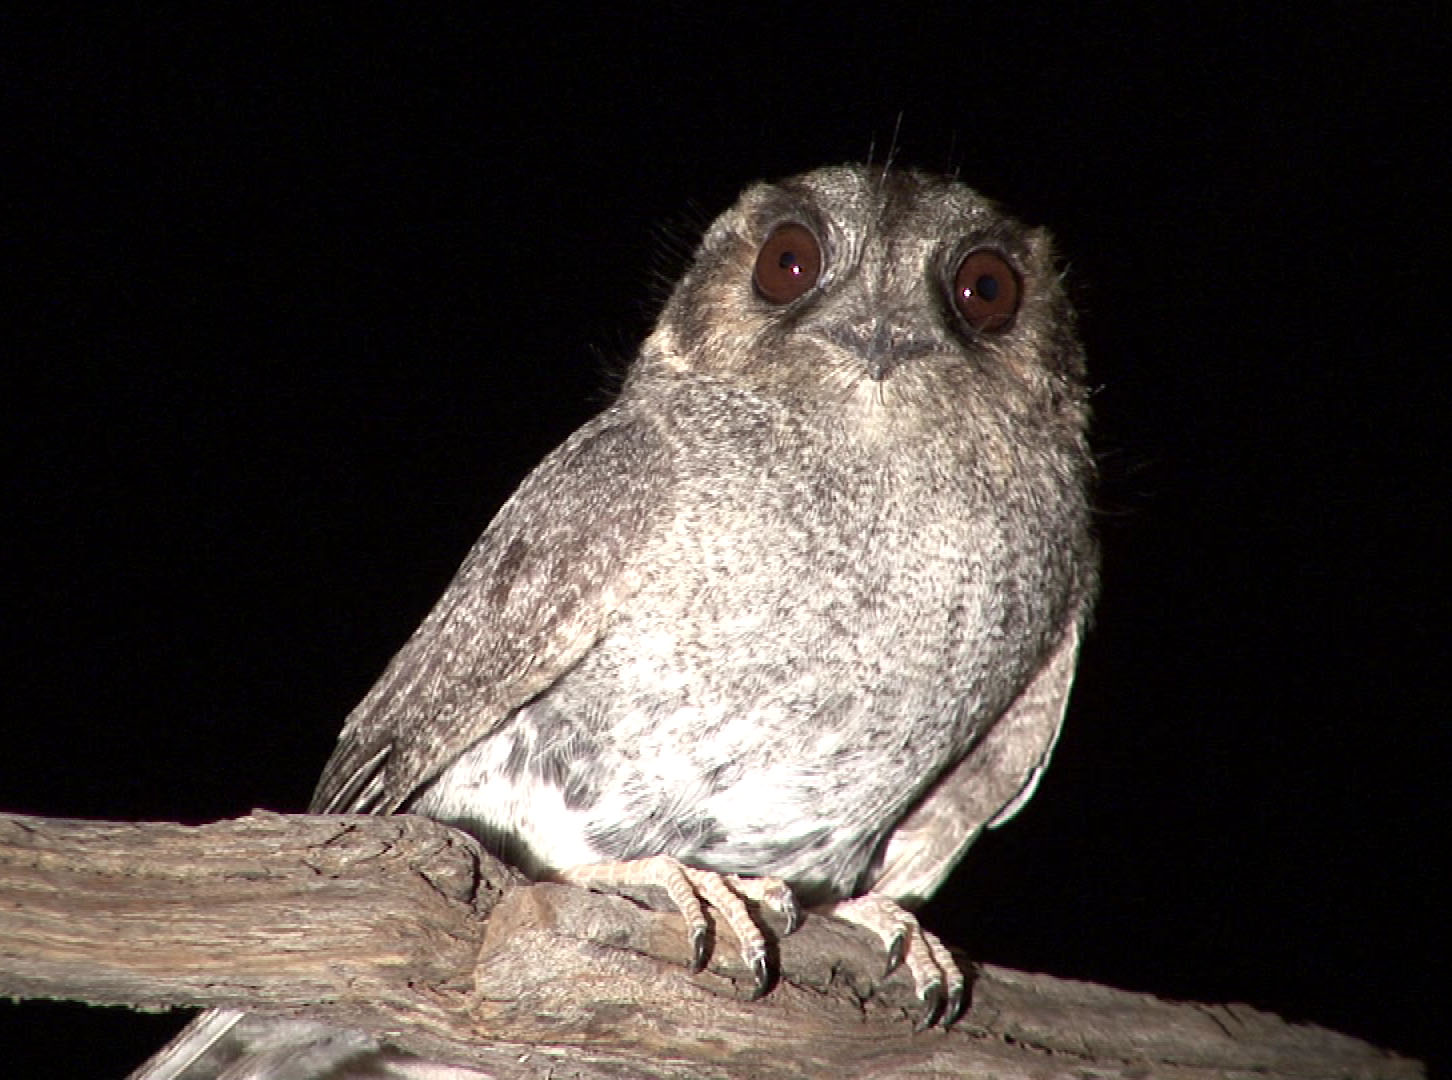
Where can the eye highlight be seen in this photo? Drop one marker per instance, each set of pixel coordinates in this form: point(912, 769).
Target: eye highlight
point(986, 291)
point(788, 263)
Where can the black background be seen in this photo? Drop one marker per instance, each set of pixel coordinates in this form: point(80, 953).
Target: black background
point(293, 304)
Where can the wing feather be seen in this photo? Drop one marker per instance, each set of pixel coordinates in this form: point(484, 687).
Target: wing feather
point(986, 788)
point(532, 596)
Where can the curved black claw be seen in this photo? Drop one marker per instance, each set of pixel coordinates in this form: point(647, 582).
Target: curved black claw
point(896, 950)
point(953, 1008)
point(932, 999)
point(792, 911)
point(760, 974)
point(698, 948)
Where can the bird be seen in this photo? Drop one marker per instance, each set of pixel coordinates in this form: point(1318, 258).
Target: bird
point(796, 616)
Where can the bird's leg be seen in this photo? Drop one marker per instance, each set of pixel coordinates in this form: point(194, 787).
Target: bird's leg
point(936, 976)
point(691, 890)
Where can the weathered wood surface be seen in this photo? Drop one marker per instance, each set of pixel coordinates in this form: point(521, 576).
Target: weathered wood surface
point(405, 928)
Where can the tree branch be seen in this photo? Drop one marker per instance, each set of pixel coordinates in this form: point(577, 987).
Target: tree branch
point(406, 929)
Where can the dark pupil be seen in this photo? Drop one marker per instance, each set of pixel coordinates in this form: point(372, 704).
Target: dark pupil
point(788, 261)
point(987, 287)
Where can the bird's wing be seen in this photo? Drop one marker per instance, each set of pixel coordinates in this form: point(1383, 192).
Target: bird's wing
point(986, 788)
point(190, 1046)
point(533, 595)
point(224, 1044)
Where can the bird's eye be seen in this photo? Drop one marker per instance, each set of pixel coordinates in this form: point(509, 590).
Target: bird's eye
point(986, 291)
point(788, 264)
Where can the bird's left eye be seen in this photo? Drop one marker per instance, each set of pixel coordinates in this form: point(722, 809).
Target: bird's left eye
point(986, 291)
point(788, 263)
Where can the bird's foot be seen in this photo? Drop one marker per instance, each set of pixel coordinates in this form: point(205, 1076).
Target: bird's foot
point(936, 976)
point(691, 890)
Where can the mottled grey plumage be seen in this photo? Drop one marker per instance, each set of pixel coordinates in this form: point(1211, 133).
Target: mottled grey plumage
point(803, 602)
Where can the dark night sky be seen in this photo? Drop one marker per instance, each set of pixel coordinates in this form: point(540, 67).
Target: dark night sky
point(293, 306)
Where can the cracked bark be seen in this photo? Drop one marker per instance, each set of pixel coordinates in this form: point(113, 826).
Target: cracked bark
point(405, 928)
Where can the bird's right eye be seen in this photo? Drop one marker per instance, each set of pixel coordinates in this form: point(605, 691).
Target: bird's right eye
point(788, 264)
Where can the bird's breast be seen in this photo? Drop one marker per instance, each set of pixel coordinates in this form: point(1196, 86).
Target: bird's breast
point(803, 653)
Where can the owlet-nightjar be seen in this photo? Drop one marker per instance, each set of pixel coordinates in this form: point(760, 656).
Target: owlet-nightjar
point(795, 618)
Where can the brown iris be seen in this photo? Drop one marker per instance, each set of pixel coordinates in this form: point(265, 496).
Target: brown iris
point(986, 291)
point(788, 264)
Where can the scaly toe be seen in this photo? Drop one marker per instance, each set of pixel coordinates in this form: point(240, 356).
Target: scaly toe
point(771, 893)
point(688, 887)
point(935, 974)
point(955, 986)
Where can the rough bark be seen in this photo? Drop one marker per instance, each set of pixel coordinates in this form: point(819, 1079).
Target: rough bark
point(403, 927)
